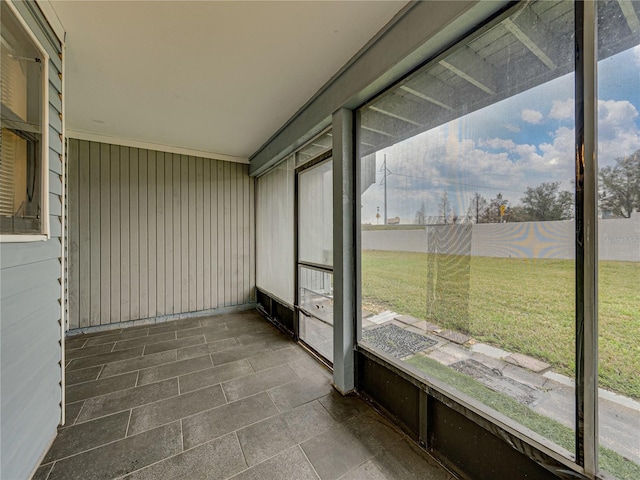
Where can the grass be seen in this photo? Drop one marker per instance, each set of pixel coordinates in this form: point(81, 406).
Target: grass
point(520, 305)
point(609, 460)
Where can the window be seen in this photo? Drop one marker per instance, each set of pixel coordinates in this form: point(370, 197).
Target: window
point(468, 229)
point(23, 133)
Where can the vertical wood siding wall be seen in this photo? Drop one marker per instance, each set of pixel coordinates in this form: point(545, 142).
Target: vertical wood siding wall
point(153, 234)
point(30, 331)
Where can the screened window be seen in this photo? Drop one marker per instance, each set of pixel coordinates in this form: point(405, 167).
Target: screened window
point(468, 227)
point(21, 137)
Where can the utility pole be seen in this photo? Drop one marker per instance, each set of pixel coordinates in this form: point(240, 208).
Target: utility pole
point(384, 168)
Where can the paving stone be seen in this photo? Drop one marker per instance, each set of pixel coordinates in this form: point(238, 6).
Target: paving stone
point(270, 359)
point(455, 337)
point(138, 363)
point(404, 460)
point(105, 358)
point(305, 366)
point(341, 408)
point(206, 348)
point(82, 391)
point(85, 436)
point(493, 363)
point(147, 340)
point(215, 375)
point(489, 351)
point(174, 325)
point(89, 351)
point(174, 369)
point(164, 411)
point(347, 446)
point(368, 470)
point(291, 464)
point(215, 460)
point(173, 344)
point(301, 391)
point(240, 353)
point(72, 343)
point(121, 457)
point(190, 332)
point(269, 437)
point(84, 375)
point(71, 411)
point(111, 336)
point(396, 341)
point(407, 319)
point(42, 472)
point(258, 382)
point(527, 362)
point(442, 357)
point(524, 376)
point(455, 351)
point(127, 399)
point(205, 426)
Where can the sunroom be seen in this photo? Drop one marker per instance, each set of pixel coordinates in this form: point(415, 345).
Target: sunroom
point(320, 240)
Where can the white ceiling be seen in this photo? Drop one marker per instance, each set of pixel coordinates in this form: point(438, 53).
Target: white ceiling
point(219, 77)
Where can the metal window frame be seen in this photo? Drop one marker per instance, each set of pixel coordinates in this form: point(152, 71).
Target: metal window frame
point(586, 242)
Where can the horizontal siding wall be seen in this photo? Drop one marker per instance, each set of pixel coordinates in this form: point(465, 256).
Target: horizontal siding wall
point(155, 234)
point(30, 316)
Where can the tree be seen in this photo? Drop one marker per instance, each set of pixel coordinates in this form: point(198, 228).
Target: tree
point(421, 215)
point(545, 202)
point(476, 208)
point(492, 213)
point(444, 208)
point(620, 187)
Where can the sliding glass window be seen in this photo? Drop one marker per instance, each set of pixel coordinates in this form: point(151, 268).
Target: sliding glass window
point(619, 237)
point(467, 231)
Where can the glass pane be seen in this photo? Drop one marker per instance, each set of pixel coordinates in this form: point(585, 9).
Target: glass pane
point(316, 147)
point(471, 278)
point(619, 238)
point(21, 132)
point(274, 232)
point(315, 215)
point(316, 310)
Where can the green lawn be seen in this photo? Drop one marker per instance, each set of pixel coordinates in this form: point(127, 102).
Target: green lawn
point(520, 305)
point(609, 460)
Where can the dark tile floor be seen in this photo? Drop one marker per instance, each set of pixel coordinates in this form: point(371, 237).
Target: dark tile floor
point(219, 397)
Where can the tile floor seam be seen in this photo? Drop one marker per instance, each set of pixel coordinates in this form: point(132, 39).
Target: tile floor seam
point(244, 456)
point(181, 437)
point(134, 369)
point(175, 376)
point(137, 378)
point(126, 432)
point(224, 394)
point(84, 402)
point(274, 403)
point(51, 470)
point(299, 445)
point(90, 449)
point(179, 391)
point(144, 348)
point(129, 408)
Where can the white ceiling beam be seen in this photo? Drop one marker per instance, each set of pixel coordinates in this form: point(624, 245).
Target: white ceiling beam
point(517, 32)
point(630, 15)
point(469, 66)
point(395, 115)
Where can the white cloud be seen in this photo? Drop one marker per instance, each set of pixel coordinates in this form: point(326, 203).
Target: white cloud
point(532, 116)
point(511, 127)
point(618, 134)
point(562, 109)
point(498, 143)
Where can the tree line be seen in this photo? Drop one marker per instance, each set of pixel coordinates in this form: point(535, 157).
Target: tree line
point(619, 196)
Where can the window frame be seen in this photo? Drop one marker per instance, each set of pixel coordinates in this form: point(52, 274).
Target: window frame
point(584, 459)
point(45, 233)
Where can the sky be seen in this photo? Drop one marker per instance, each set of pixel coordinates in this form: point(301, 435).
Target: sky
point(520, 142)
